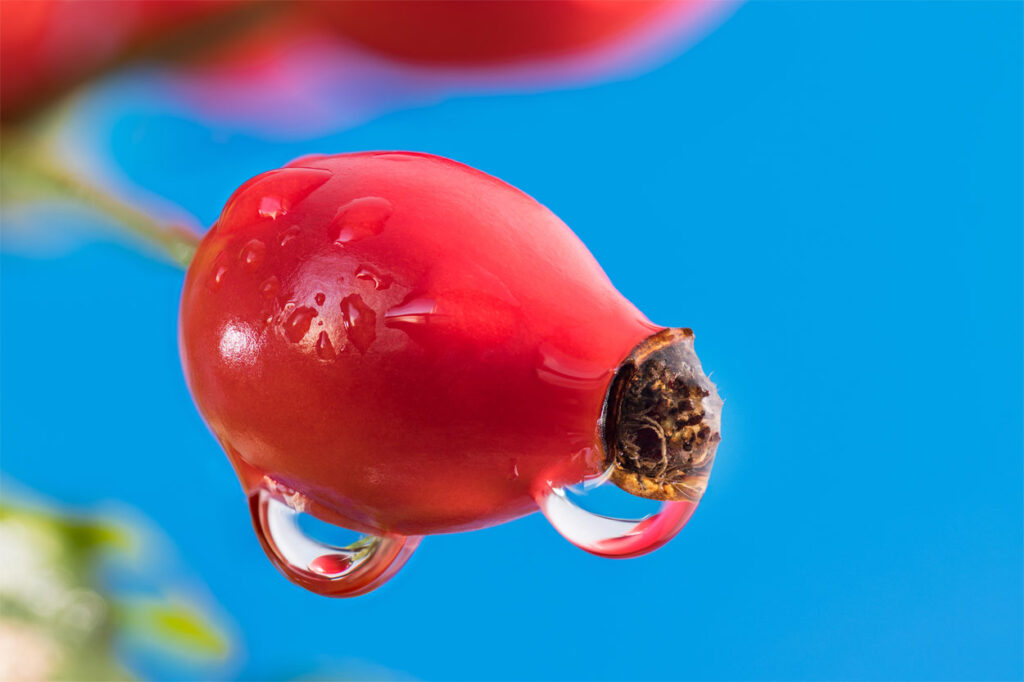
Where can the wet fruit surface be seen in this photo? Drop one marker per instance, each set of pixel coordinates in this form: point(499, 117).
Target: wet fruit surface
point(402, 345)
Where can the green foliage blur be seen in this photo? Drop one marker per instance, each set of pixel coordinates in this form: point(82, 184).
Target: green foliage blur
point(58, 621)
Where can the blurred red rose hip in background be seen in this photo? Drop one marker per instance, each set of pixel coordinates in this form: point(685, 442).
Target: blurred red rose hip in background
point(475, 33)
point(49, 45)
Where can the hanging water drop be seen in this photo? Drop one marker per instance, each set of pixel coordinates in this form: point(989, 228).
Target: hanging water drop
point(611, 536)
point(327, 569)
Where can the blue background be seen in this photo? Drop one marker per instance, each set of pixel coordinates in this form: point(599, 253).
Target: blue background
point(829, 193)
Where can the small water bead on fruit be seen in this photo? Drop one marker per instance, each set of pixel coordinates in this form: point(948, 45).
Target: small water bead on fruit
point(324, 347)
point(424, 349)
point(274, 194)
point(272, 207)
point(561, 370)
point(217, 279)
point(361, 218)
point(270, 287)
point(297, 324)
point(371, 275)
point(415, 310)
point(360, 321)
point(288, 235)
point(252, 254)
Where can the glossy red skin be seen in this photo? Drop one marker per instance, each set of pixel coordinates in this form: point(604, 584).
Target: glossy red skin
point(428, 427)
point(47, 45)
point(480, 32)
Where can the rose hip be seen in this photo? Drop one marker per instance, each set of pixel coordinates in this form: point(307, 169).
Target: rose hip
point(433, 31)
point(402, 345)
point(48, 46)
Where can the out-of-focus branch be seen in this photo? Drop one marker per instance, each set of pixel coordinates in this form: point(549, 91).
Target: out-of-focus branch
point(28, 170)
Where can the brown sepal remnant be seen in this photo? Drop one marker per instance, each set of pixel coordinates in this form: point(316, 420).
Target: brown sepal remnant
point(662, 419)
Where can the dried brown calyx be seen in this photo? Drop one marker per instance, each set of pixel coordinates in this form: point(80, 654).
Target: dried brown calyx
point(662, 420)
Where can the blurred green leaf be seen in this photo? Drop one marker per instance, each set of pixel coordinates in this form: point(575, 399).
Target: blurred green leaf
point(56, 611)
point(173, 625)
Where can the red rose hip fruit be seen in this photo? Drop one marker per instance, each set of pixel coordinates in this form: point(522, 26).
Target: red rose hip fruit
point(401, 345)
point(445, 32)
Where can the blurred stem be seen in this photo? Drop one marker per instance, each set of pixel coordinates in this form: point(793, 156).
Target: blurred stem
point(29, 164)
point(29, 167)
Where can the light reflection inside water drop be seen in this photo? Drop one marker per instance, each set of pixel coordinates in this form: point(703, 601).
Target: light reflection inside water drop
point(322, 567)
point(639, 526)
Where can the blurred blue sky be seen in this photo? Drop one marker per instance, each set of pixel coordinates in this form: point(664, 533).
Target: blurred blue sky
point(829, 193)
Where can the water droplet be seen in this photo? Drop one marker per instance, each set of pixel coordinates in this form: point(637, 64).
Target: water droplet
point(368, 274)
point(320, 567)
point(320, 298)
point(513, 474)
point(324, 347)
point(415, 310)
point(292, 186)
point(609, 536)
point(275, 193)
point(270, 287)
point(298, 323)
point(562, 369)
point(218, 277)
point(360, 321)
point(361, 218)
point(252, 254)
point(272, 207)
point(289, 234)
